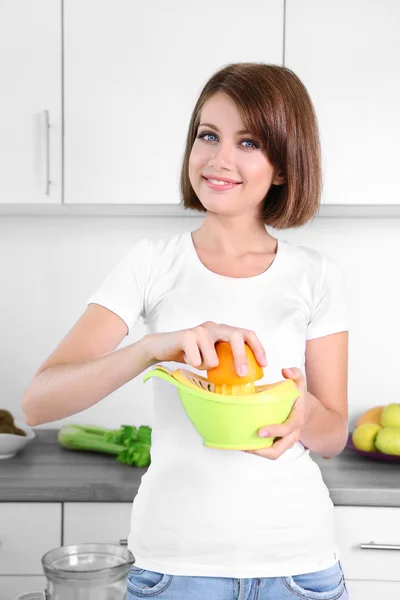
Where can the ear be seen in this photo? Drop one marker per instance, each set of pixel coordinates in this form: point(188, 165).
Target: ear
point(278, 178)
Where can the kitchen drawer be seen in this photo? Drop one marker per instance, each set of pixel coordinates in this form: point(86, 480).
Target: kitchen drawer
point(103, 522)
point(27, 531)
point(356, 525)
point(371, 590)
point(11, 587)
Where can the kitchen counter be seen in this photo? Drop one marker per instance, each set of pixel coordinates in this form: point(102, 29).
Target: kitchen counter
point(44, 471)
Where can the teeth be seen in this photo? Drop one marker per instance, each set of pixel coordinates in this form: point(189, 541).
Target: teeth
point(219, 182)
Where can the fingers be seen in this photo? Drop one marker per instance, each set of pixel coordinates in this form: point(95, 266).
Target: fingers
point(252, 340)
point(239, 353)
point(294, 422)
point(288, 433)
point(191, 351)
point(237, 337)
point(292, 373)
point(279, 446)
point(198, 346)
point(297, 376)
point(207, 349)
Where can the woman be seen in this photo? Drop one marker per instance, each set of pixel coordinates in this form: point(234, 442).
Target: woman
point(208, 523)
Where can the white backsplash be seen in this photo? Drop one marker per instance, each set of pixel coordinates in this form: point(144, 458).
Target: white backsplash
point(51, 265)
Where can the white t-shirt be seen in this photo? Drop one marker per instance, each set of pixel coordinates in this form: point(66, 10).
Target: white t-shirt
point(211, 512)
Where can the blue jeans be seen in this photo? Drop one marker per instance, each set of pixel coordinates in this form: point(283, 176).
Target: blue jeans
point(327, 584)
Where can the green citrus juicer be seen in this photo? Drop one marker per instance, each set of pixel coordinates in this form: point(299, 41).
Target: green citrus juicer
point(230, 422)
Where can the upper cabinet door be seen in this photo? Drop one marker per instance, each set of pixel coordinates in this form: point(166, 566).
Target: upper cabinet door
point(347, 52)
point(30, 102)
point(133, 72)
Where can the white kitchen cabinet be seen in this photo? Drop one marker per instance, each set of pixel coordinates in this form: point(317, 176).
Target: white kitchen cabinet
point(133, 72)
point(30, 102)
point(369, 570)
point(348, 56)
point(27, 531)
point(371, 590)
point(369, 525)
point(11, 587)
point(96, 522)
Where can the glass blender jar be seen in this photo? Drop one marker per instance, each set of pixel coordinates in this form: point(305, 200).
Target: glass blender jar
point(85, 572)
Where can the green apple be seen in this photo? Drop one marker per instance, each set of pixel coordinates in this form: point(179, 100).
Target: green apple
point(388, 440)
point(364, 436)
point(390, 416)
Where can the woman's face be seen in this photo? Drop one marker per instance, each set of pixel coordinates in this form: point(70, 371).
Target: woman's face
point(224, 150)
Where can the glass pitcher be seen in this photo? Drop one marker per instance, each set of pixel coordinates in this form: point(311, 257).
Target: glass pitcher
point(85, 572)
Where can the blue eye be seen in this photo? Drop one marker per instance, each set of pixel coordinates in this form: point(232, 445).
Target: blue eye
point(202, 136)
point(255, 145)
point(205, 134)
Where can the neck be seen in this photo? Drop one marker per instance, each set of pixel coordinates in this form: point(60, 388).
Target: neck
point(234, 235)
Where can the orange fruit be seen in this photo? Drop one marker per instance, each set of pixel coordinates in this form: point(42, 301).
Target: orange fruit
point(371, 416)
point(224, 376)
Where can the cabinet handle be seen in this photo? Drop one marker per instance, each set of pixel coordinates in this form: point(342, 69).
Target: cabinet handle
point(123, 542)
point(46, 154)
point(373, 546)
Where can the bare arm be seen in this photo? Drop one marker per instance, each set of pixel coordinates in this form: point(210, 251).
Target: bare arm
point(83, 369)
point(327, 371)
point(79, 373)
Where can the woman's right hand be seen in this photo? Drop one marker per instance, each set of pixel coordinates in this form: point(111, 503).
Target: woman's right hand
point(196, 346)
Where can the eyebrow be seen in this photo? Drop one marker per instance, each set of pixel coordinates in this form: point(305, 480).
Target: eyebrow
point(216, 128)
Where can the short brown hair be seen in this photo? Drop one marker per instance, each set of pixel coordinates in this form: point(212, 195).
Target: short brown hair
point(276, 108)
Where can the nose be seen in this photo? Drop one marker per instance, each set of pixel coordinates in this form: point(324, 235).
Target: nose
point(221, 157)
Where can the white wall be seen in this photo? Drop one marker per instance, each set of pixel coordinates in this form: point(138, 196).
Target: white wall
point(50, 266)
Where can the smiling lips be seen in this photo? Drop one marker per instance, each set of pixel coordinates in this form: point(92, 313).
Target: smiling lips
point(216, 183)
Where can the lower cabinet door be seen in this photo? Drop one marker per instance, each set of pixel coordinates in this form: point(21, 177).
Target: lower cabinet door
point(369, 542)
point(96, 522)
point(28, 530)
point(11, 586)
point(372, 590)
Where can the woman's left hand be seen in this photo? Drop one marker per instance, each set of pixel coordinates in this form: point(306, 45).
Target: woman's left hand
point(289, 431)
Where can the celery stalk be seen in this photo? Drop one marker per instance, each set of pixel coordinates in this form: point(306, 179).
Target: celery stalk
point(76, 437)
point(130, 445)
